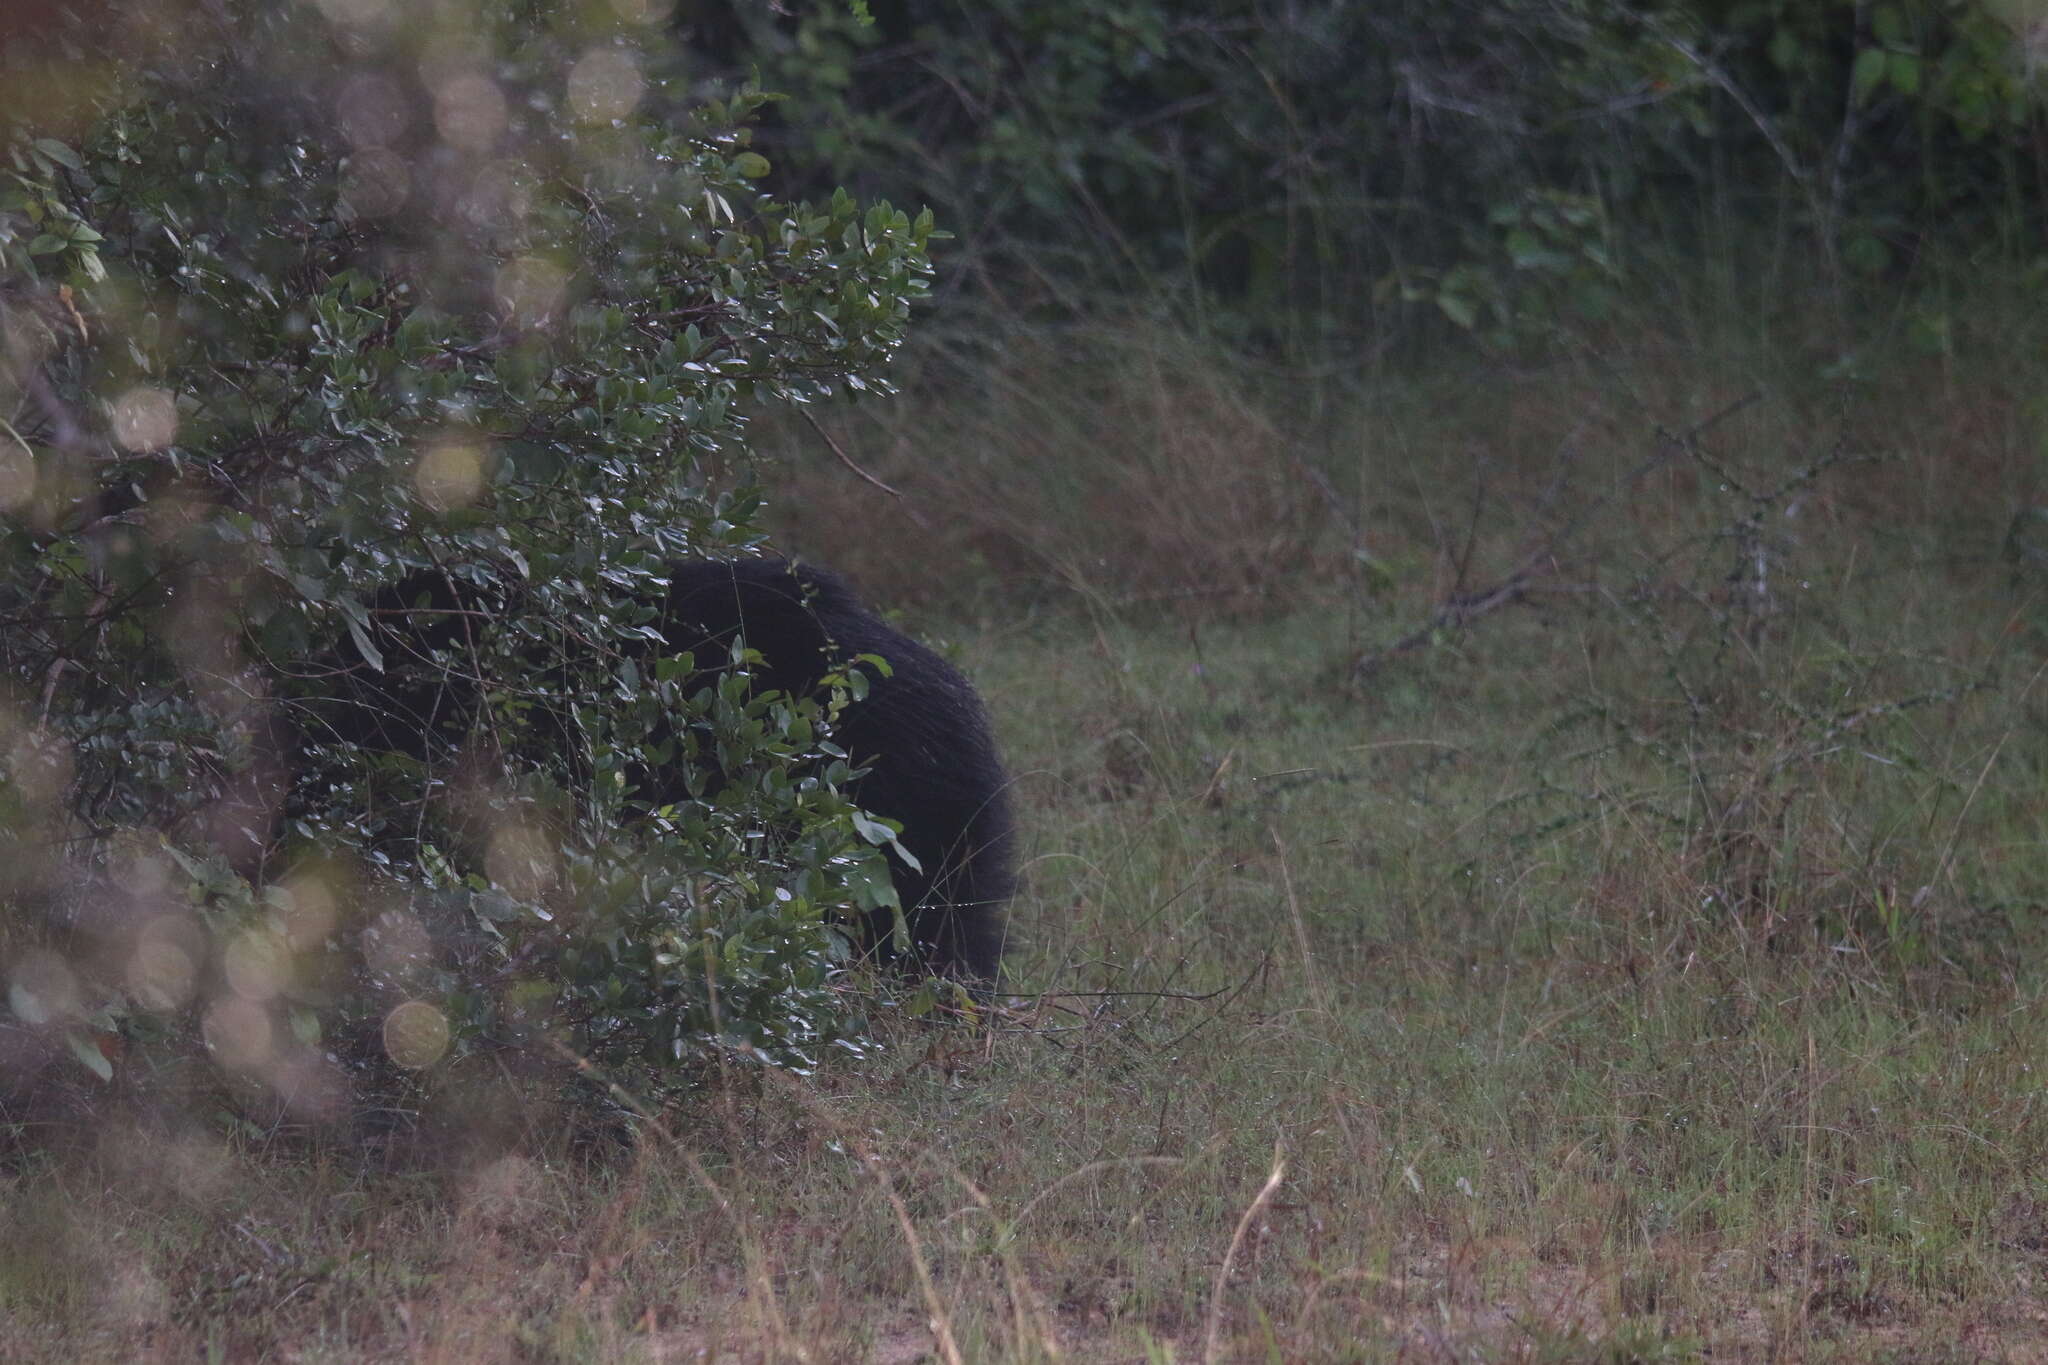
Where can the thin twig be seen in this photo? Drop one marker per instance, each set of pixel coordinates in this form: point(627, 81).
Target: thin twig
point(1538, 566)
point(847, 459)
point(1762, 121)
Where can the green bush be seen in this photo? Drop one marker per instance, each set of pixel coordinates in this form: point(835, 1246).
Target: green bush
point(305, 308)
point(1327, 168)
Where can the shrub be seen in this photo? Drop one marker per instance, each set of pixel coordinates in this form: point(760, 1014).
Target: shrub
point(299, 303)
point(1330, 168)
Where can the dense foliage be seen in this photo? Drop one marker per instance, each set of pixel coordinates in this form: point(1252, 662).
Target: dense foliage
point(1496, 163)
point(303, 308)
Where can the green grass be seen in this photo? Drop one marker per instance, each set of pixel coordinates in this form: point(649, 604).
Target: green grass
point(1647, 968)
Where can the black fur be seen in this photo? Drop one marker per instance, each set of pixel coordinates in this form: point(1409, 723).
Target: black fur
point(921, 732)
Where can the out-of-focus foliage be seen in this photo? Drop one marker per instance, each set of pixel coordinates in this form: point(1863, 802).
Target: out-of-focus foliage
point(302, 302)
point(1490, 161)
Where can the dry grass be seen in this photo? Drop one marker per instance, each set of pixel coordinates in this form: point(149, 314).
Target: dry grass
point(1625, 973)
point(1120, 461)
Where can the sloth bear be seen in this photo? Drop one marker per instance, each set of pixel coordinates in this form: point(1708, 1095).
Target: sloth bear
point(921, 732)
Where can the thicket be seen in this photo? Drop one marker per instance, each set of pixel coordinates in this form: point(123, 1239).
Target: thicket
point(1314, 171)
point(312, 317)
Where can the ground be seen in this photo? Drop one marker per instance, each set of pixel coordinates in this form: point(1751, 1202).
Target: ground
point(1640, 963)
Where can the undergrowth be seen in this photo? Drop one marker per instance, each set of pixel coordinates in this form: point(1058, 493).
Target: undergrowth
point(1535, 863)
